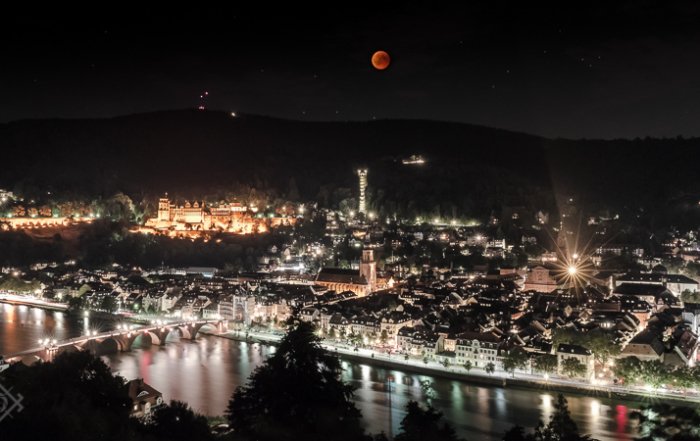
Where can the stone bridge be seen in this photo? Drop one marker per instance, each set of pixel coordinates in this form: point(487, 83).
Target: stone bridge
point(117, 340)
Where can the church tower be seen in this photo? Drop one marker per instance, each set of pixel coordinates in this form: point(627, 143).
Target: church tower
point(362, 206)
point(164, 209)
point(368, 268)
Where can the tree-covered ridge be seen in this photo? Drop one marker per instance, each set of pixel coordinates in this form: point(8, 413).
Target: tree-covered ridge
point(470, 170)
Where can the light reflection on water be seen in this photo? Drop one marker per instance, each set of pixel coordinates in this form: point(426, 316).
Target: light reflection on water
point(205, 373)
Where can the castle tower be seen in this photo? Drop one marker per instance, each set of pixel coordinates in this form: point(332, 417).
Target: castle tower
point(362, 206)
point(164, 209)
point(368, 268)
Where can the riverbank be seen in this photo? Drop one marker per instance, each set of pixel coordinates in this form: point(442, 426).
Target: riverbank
point(522, 380)
point(35, 303)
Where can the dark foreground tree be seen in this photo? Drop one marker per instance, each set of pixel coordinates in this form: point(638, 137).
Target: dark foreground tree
point(560, 427)
point(662, 422)
point(76, 397)
point(178, 422)
point(296, 394)
point(424, 424)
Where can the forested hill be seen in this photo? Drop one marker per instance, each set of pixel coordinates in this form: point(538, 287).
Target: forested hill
point(468, 167)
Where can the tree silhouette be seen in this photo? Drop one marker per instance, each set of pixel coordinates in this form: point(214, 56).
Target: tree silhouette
point(75, 397)
point(515, 359)
point(546, 363)
point(296, 394)
point(572, 367)
point(560, 427)
point(662, 422)
point(490, 368)
point(424, 424)
point(516, 433)
point(178, 422)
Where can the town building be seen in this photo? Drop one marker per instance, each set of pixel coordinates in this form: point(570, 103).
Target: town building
point(583, 355)
point(144, 398)
point(478, 348)
point(646, 346)
point(361, 283)
point(676, 283)
point(540, 279)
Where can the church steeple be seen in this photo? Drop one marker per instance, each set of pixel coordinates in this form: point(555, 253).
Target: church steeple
point(368, 268)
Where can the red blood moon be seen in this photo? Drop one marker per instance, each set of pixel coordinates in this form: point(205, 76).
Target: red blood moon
point(380, 60)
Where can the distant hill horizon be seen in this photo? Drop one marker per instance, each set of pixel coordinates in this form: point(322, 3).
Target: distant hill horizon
point(469, 168)
point(333, 121)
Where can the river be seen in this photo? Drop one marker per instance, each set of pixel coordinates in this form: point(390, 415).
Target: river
point(205, 372)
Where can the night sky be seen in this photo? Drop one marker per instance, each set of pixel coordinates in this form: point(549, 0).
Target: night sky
point(594, 71)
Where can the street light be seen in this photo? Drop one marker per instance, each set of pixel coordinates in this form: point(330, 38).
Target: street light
point(49, 346)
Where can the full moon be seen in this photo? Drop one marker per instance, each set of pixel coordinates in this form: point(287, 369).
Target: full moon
point(380, 60)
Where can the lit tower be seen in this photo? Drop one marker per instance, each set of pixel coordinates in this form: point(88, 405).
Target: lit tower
point(368, 268)
point(362, 206)
point(164, 208)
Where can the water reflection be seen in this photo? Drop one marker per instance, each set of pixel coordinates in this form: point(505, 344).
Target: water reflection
point(204, 373)
point(21, 327)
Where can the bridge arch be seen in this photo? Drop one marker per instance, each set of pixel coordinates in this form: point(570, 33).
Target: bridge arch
point(108, 345)
point(206, 327)
point(143, 339)
point(29, 360)
point(68, 348)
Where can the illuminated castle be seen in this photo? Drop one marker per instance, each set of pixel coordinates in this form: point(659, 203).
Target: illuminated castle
point(197, 216)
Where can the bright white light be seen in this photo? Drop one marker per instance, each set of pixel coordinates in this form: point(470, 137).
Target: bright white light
point(575, 256)
point(572, 270)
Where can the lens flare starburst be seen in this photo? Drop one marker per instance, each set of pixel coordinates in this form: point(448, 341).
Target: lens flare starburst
point(574, 270)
